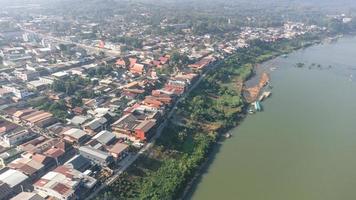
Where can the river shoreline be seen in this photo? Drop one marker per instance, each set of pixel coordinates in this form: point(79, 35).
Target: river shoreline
point(214, 149)
point(181, 157)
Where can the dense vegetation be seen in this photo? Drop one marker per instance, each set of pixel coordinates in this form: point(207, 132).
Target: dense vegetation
point(58, 109)
point(100, 72)
point(129, 41)
point(70, 85)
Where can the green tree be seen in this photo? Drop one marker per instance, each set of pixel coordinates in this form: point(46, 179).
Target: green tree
point(101, 54)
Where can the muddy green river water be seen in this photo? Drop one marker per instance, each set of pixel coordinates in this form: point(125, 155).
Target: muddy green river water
point(303, 145)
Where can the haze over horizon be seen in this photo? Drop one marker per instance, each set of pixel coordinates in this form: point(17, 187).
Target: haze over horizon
point(261, 2)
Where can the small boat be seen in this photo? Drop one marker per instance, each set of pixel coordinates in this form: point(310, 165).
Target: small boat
point(257, 106)
point(228, 135)
point(265, 95)
point(273, 68)
point(285, 56)
point(251, 111)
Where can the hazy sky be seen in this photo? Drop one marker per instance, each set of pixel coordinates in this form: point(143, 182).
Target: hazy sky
point(322, 3)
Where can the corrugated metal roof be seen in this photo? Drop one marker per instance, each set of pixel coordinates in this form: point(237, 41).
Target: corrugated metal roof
point(27, 196)
point(12, 177)
point(75, 133)
point(145, 126)
point(97, 153)
point(104, 137)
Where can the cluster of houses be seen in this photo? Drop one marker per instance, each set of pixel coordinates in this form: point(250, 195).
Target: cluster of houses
point(44, 157)
point(52, 158)
point(62, 165)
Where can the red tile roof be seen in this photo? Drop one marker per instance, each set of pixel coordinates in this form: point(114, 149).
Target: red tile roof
point(65, 170)
point(61, 188)
point(118, 148)
point(153, 102)
point(41, 182)
point(121, 62)
point(137, 68)
point(163, 60)
point(132, 61)
point(39, 158)
point(54, 152)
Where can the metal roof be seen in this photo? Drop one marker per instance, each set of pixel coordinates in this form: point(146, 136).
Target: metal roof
point(104, 137)
point(27, 196)
point(75, 133)
point(12, 177)
point(95, 152)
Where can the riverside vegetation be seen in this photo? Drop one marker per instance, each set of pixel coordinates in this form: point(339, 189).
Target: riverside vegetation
point(216, 106)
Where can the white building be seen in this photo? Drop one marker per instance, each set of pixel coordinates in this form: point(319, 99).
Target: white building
point(62, 183)
point(17, 180)
point(16, 137)
point(17, 91)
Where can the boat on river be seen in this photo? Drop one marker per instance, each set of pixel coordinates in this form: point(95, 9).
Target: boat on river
point(265, 95)
point(273, 69)
point(257, 106)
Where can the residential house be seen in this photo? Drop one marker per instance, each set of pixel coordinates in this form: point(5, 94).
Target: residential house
point(138, 69)
point(129, 124)
point(119, 150)
point(63, 182)
point(126, 124)
point(39, 118)
point(201, 64)
point(144, 129)
point(28, 166)
point(27, 196)
point(75, 136)
point(79, 163)
point(17, 137)
point(15, 179)
point(5, 191)
point(8, 156)
point(104, 137)
point(121, 63)
point(95, 155)
point(17, 91)
point(96, 125)
point(26, 75)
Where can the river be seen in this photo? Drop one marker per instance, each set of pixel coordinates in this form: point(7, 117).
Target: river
point(303, 145)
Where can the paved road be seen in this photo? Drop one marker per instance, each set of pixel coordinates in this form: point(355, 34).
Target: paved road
point(132, 158)
point(87, 47)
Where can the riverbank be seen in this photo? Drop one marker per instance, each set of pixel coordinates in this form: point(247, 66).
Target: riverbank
point(254, 79)
point(284, 152)
point(219, 140)
point(211, 110)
